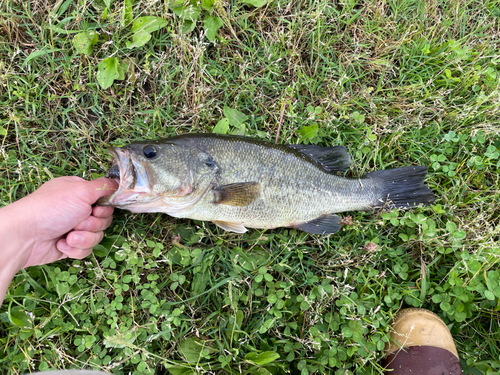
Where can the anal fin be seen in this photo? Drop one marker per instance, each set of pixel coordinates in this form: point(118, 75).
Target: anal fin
point(230, 227)
point(325, 224)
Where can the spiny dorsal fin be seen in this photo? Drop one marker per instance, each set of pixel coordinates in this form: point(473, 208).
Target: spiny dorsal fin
point(325, 224)
point(231, 227)
point(332, 159)
point(238, 194)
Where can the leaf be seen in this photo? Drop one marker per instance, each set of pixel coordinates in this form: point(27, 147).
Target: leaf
point(212, 26)
point(358, 117)
point(262, 358)
point(240, 130)
point(127, 12)
point(255, 3)
point(83, 42)
point(3, 131)
point(488, 294)
point(139, 39)
point(148, 24)
point(107, 72)
point(188, 13)
point(121, 339)
point(207, 4)
point(187, 26)
point(62, 7)
point(251, 260)
point(18, 317)
point(308, 132)
point(191, 349)
point(39, 53)
point(222, 126)
point(179, 370)
point(459, 234)
point(272, 298)
point(234, 116)
point(108, 3)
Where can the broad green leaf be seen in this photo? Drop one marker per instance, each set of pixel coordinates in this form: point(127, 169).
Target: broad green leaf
point(188, 13)
point(127, 12)
point(108, 3)
point(18, 317)
point(180, 370)
point(121, 71)
point(255, 3)
point(187, 26)
point(191, 349)
point(240, 130)
point(39, 53)
point(309, 132)
point(148, 24)
point(262, 358)
point(139, 39)
point(222, 126)
point(272, 298)
point(234, 116)
point(107, 72)
point(212, 26)
point(3, 131)
point(83, 42)
point(207, 4)
point(451, 226)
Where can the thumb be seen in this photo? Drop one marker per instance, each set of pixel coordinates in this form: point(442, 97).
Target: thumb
point(100, 188)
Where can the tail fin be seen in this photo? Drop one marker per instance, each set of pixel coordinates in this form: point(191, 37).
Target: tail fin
point(402, 187)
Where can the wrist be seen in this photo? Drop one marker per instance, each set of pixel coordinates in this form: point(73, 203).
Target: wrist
point(17, 235)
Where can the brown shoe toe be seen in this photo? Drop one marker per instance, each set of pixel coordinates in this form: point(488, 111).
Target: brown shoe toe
point(421, 344)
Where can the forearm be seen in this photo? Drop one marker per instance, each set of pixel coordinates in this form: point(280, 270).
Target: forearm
point(15, 243)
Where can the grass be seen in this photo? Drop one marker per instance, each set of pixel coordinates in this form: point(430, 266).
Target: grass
point(397, 82)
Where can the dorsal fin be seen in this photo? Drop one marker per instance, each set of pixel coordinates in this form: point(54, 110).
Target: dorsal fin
point(332, 159)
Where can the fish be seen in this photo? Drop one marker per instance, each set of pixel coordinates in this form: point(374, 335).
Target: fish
point(239, 182)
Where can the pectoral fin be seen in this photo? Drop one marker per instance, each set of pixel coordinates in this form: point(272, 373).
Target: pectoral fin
point(326, 224)
point(231, 227)
point(239, 194)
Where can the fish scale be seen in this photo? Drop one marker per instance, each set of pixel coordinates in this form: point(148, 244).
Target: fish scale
point(293, 189)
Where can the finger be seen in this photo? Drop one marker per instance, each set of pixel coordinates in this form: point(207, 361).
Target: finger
point(83, 239)
point(94, 224)
point(102, 211)
point(71, 252)
point(100, 188)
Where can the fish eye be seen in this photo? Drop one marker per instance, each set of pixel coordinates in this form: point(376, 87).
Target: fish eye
point(150, 151)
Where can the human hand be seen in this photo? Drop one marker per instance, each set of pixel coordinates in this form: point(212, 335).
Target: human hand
point(63, 222)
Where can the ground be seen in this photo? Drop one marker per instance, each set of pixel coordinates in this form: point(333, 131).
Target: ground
point(397, 82)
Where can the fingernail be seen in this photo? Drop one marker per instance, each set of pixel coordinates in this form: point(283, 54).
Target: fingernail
point(76, 239)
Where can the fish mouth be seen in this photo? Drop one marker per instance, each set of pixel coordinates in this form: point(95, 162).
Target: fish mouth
point(135, 182)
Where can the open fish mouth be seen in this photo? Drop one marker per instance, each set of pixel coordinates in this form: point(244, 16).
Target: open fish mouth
point(134, 184)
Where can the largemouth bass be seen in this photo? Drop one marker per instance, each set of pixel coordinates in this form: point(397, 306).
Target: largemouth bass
point(240, 182)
